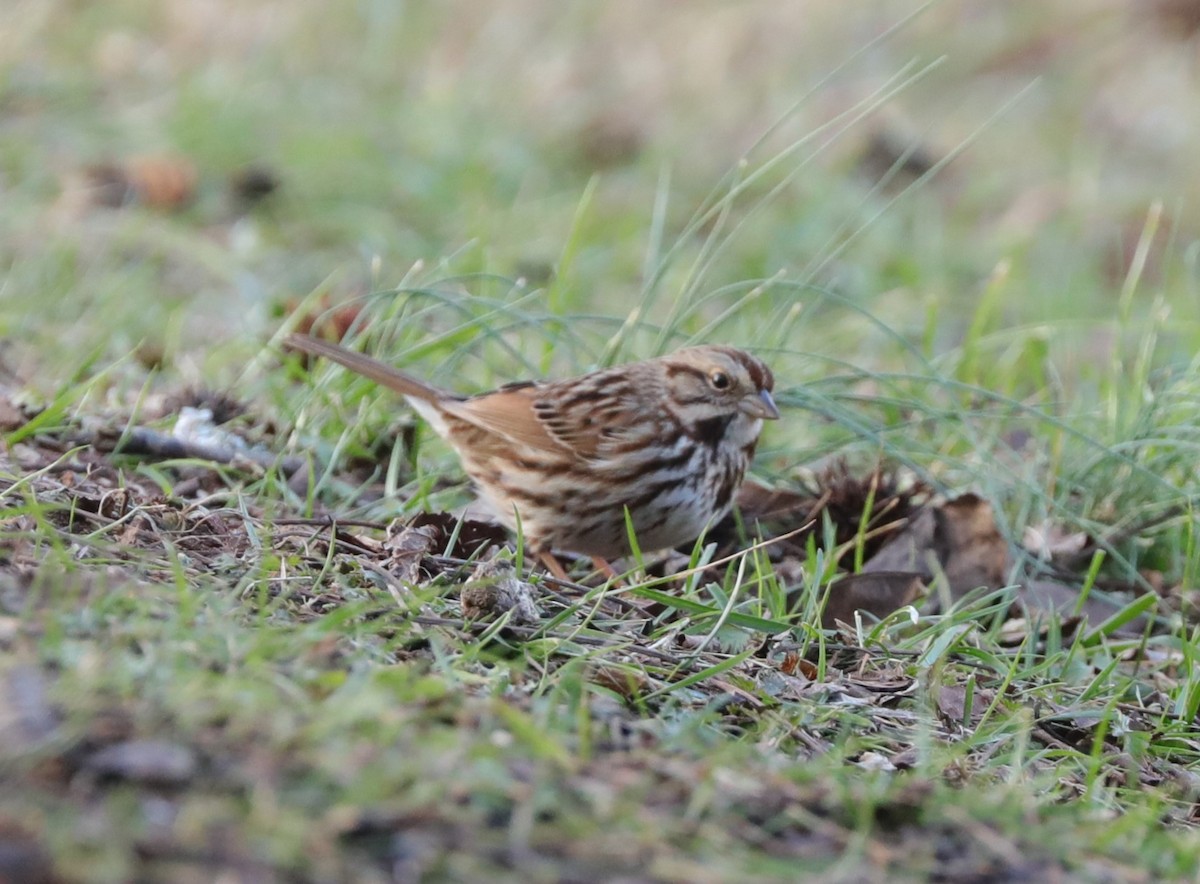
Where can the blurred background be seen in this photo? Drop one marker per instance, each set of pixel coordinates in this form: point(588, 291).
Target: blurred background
point(177, 177)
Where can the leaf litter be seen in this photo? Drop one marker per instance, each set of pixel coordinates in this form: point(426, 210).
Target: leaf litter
point(841, 652)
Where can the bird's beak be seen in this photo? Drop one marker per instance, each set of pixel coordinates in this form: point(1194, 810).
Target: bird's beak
point(760, 405)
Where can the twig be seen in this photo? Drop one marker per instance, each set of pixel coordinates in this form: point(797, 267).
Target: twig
point(152, 443)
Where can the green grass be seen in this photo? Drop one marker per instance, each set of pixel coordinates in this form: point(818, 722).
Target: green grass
point(536, 192)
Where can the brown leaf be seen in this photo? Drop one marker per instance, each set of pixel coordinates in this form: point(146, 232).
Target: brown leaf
point(978, 552)
point(405, 548)
point(951, 700)
point(165, 182)
point(757, 502)
point(473, 536)
point(890, 681)
point(794, 664)
point(1048, 596)
point(879, 594)
point(959, 538)
point(325, 319)
point(837, 493)
point(913, 549)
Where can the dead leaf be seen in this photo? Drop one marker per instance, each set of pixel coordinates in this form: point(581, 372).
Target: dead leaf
point(1050, 541)
point(978, 552)
point(1051, 597)
point(471, 536)
point(836, 492)
point(758, 502)
point(951, 701)
point(325, 319)
point(794, 664)
point(162, 181)
point(891, 680)
point(405, 548)
point(959, 538)
point(906, 758)
point(879, 594)
point(912, 550)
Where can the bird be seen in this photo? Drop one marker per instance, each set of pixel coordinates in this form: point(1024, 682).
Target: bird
point(660, 446)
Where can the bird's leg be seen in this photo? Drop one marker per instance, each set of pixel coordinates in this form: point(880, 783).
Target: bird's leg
point(553, 566)
point(605, 569)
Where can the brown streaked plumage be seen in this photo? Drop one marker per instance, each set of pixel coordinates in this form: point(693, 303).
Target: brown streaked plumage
point(667, 439)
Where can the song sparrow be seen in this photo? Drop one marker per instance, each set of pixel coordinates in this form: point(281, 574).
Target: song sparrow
point(667, 440)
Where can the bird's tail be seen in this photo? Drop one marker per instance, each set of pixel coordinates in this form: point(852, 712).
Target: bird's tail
point(381, 372)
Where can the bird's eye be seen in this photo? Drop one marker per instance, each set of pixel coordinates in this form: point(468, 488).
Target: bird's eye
point(719, 380)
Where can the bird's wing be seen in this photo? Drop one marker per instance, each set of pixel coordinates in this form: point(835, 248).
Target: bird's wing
point(509, 413)
point(593, 427)
point(538, 416)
